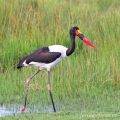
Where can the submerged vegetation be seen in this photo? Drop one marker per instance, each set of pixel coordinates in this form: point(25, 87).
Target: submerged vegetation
point(88, 75)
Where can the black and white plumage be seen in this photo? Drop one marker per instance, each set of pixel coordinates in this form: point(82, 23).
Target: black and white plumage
point(48, 57)
point(45, 57)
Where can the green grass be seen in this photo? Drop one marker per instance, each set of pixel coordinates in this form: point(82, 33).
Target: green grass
point(91, 76)
point(75, 115)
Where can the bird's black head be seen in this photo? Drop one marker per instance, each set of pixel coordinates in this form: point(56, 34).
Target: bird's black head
point(74, 31)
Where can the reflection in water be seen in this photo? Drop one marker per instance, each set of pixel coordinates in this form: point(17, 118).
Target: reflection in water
point(6, 110)
point(5, 113)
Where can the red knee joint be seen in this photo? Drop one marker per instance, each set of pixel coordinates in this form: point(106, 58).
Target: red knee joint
point(28, 80)
point(48, 87)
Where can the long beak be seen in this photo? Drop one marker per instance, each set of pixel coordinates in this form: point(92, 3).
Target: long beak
point(83, 38)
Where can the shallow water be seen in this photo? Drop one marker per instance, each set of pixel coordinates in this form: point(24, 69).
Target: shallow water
point(11, 109)
point(6, 110)
point(5, 113)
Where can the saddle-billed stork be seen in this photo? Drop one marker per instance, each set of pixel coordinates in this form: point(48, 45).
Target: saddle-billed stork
point(50, 56)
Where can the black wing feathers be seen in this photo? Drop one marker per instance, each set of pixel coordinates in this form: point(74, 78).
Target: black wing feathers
point(41, 55)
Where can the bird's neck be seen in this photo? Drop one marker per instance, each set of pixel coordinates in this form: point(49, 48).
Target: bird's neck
point(72, 47)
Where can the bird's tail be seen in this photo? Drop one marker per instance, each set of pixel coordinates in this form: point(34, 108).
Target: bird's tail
point(20, 64)
point(18, 67)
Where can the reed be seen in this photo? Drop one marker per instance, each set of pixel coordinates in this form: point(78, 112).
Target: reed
point(28, 25)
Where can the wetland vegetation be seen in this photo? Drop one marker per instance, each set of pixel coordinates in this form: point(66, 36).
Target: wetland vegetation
point(87, 82)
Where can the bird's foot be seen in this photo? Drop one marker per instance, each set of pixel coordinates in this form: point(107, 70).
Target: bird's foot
point(23, 109)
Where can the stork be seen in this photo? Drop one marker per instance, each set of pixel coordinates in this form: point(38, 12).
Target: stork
point(49, 56)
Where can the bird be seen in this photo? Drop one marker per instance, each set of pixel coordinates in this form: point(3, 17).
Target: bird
point(49, 56)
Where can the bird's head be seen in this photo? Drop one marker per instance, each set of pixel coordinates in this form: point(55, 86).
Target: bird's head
point(76, 32)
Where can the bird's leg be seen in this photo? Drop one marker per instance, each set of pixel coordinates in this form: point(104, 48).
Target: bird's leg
point(27, 85)
point(49, 89)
